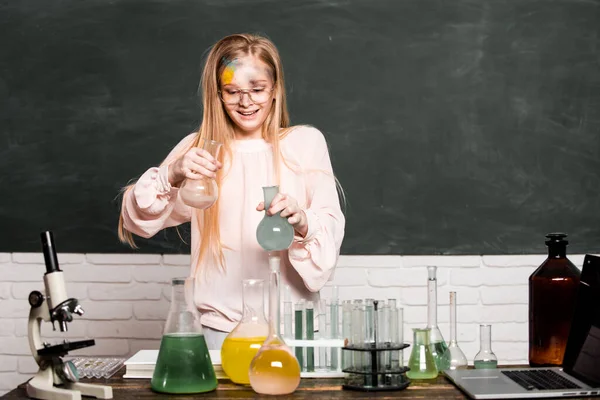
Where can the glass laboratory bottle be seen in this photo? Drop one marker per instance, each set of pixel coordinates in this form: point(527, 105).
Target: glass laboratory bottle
point(274, 370)
point(243, 342)
point(552, 294)
point(183, 364)
point(273, 232)
point(203, 192)
point(436, 340)
point(454, 357)
point(421, 362)
point(485, 359)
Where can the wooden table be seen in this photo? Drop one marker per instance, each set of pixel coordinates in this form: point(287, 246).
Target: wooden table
point(128, 389)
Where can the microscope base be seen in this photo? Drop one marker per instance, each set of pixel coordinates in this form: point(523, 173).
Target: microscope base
point(41, 386)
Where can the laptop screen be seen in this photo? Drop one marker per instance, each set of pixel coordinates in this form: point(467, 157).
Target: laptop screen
point(582, 355)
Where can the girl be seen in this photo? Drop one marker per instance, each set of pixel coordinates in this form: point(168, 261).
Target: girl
point(245, 109)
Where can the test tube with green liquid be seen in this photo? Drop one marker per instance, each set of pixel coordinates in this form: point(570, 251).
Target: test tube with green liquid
point(299, 332)
point(310, 335)
point(334, 327)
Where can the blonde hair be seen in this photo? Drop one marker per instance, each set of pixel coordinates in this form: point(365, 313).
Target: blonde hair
point(217, 125)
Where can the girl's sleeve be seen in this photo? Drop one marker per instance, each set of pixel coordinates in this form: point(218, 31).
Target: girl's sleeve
point(315, 255)
point(152, 204)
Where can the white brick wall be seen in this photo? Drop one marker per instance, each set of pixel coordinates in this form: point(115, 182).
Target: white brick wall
point(125, 298)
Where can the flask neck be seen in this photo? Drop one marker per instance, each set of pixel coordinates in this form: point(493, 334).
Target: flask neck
point(557, 251)
point(485, 337)
point(253, 301)
point(274, 295)
point(432, 299)
point(452, 317)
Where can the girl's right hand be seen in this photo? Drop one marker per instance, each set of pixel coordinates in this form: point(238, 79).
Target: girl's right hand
point(195, 164)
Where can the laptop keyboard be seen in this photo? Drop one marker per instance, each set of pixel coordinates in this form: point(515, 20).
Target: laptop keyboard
point(540, 379)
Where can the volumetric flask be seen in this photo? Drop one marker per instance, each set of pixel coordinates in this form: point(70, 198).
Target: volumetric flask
point(183, 364)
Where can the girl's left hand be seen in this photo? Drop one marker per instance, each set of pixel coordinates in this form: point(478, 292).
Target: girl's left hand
point(289, 208)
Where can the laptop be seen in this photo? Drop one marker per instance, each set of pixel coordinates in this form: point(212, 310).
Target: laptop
point(580, 371)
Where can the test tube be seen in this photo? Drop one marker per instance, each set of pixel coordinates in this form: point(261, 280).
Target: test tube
point(299, 332)
point(346, 332)
point(334, 327)
point(287, 313)
point(383, 341)
point(310, 335)
point(322, 334)
point(357, 333)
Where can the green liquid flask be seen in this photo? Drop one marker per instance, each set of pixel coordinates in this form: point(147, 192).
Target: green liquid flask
point(273, 232)
point(436, 340)
point(183, 364)
point(421, 362)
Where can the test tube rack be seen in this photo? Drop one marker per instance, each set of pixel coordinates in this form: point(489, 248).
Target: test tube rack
point(368, 371)
point(320, 370)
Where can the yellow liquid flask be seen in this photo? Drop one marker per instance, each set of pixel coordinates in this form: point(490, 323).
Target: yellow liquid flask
point(244, 341)
point(183, 364)
point(274, 370)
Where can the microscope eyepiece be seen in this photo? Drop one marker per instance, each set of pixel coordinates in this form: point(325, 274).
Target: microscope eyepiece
point(49, 252)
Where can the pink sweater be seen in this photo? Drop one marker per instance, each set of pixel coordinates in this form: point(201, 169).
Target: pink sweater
point(306, 266)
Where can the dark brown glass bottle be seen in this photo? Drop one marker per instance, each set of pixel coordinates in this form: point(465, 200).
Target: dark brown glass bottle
point(552, 292)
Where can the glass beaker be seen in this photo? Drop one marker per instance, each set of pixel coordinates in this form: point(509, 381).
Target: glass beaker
point(485, 359)
point(454, 358)
point(273, 232)
point(202, 193)
point(244, 341)
point(421, 362)
point(436, 340)
point(274, 370)
point(183, 364)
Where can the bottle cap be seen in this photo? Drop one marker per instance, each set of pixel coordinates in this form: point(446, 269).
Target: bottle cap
point(556, 238)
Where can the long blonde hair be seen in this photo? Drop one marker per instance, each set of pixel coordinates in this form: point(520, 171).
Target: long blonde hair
point(217, 125)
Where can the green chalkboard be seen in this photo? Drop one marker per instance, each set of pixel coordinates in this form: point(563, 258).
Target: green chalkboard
point(455, 126)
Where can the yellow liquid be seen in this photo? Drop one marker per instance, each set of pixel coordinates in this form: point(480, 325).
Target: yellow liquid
point(275, 371)
point(236, 356)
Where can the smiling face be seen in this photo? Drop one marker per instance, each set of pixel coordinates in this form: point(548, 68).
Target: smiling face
point(246, 86)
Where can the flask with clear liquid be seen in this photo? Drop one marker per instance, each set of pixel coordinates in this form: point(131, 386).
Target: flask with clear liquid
point(454, 358)
point(274, 370)
point(203, 192)
point(183, 364)
point(273, 232)
point(421, 361)
point(436, 340)
point(485, 359)
point(244, 341)
point(552, 295)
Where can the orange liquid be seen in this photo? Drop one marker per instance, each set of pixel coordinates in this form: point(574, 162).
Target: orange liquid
point(236, 356)
point(275, 371)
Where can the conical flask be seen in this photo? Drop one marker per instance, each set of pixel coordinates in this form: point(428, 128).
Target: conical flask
point(183, 364)
point(203, 192)
point(244, 341)
point(436, 340)
point(421, 362)
point(273, 232)
point(453, 357)
point(274, 370)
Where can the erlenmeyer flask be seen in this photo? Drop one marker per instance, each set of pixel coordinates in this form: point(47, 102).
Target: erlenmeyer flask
point(274, 232)
point(244, 341)
point(485, 359)
point(436, 340)
point(201, 193)
point(274, 370)
point(183, 364)
point(454, 358)
point(421, 362)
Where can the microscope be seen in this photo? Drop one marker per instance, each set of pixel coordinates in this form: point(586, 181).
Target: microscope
point(56, 379)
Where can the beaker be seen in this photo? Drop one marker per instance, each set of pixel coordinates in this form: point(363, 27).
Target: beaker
point(421, 362)
point(436, 340)
point(454, 357)
point(274, 370)
point(273, 232)
point(183, 364)
point(244, 341)
point(203, 192)
point(485, 359)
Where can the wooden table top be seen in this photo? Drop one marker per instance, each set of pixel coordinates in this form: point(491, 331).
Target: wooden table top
point(126, 389)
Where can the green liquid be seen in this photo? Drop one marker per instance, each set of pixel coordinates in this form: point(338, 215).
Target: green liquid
point(298, 335)
point(310, 335)
point(490, 364)
point(183, 365)
point(437, 351)
point(421, 364)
